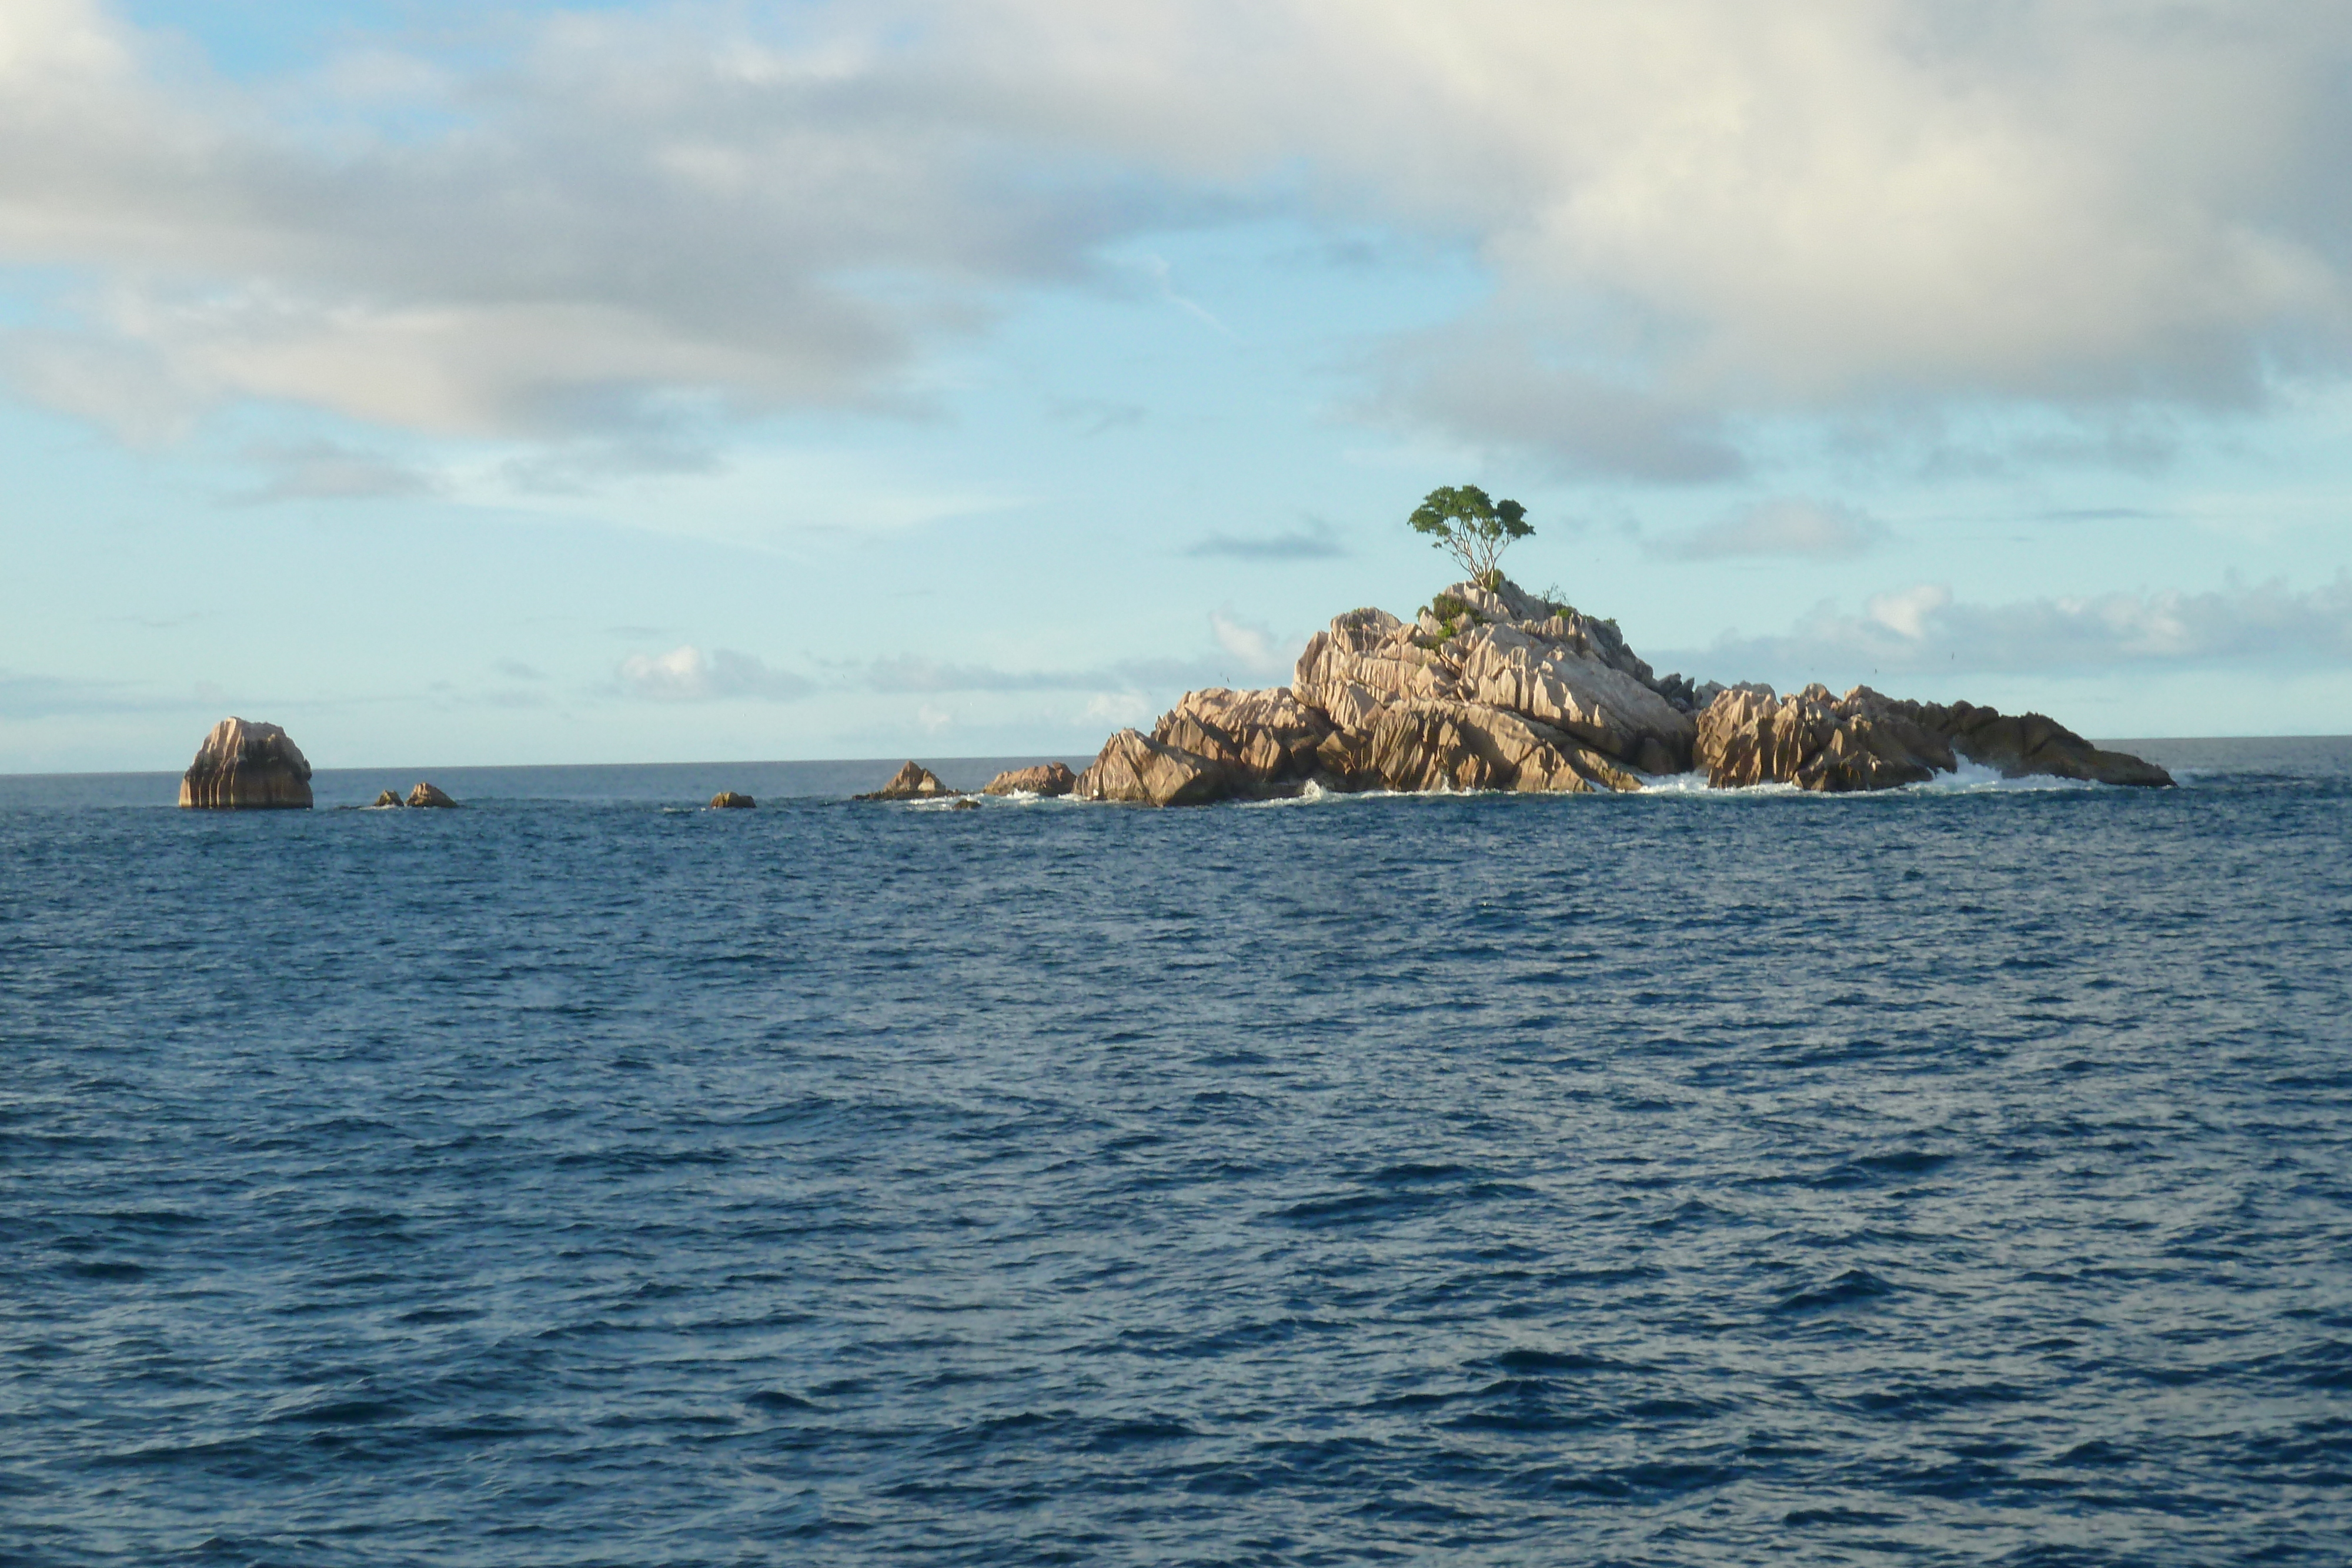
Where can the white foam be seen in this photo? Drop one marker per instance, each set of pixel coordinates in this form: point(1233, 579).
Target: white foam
point(1976, 778)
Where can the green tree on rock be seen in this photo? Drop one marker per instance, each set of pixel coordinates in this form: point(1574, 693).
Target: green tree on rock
point(1471, 528)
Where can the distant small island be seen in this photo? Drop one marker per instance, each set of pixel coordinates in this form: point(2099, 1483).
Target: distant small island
point(1491, 687)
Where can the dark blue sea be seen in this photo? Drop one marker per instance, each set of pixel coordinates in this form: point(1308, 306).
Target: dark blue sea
point(1957, 1176)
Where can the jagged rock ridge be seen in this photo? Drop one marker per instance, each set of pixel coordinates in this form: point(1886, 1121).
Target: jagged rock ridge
point(1492, 688)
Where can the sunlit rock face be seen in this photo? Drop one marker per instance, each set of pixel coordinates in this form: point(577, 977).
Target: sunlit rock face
point(244, 765)
point(1045, 778)
point(911, 782)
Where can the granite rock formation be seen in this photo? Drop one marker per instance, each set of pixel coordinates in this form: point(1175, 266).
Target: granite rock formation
point(728, 800)
point(1046, 778)
point(247, 766)
point(385, 799)
point(1867, 740)
point(1490, 688)
point(428, 795)
point(910, 783)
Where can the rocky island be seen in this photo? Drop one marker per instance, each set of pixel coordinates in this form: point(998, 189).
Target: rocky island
point(1489, 687)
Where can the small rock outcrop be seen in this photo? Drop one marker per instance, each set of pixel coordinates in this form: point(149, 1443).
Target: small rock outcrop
point(728, 800)
point(385, 799)
point(428, 795)
point(247, 766)
point(911, 782)
point(963, 803)
point(1490, 688)
point(1046, 778)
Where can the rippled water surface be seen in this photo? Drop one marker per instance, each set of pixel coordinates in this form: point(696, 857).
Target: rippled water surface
point(1953, 1176)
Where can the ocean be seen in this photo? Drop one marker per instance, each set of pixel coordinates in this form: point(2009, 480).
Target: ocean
point(1960, 1175)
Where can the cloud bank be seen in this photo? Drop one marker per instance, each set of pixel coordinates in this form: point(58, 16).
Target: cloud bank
point(1925, 629)
point(1696, 212)
point(1816, 530)
point(689, 674)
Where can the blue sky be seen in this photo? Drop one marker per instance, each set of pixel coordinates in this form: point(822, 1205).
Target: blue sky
point(464, 384)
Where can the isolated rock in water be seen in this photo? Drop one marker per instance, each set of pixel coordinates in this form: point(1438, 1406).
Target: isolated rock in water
point(963, 803)
point(1136, 768)
point(428, 795)
point(244, 765)
point(388, 798)
point(1045, 778)
point(910, 783)
point(728, 800)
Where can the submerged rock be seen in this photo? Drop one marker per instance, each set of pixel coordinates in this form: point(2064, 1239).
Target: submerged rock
point(728, 800)
point(963, 803)
point(1490, 688)
point(428, 795)
point(910, 783)
point(247, 766)
point(1045, 778)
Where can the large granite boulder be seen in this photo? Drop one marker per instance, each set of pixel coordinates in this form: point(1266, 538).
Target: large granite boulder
point(911, 782)
point(429, 794)
point(1136, 768)
point(728, 800)
point(1045, 778)
point(247, 766)
point(385, 801)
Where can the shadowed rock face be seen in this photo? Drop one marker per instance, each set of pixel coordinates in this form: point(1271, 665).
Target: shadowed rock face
point(247, 766)
point(1866, 740)
point(728, 800)
point(910, 783)
point(1491, 688)
point(385, 800)
point(1046, 778)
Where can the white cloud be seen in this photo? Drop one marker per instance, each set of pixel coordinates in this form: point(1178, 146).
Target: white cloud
point(1905, 612)
point(1119, 709)
point(1925, 629)
point(1785, 527)
point(689, 674)
point(1698, 212)
point(1254, 645)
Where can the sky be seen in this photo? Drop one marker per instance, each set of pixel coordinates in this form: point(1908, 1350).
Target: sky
point(625, 382)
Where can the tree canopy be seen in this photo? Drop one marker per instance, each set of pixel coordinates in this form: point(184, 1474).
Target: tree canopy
point(1467, 525)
